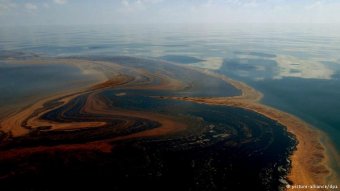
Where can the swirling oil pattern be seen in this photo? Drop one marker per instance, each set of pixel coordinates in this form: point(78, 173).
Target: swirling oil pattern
point(121, 135)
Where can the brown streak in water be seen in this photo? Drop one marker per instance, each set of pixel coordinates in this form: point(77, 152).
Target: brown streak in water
point(112, 76)
point(168, 126)
point(14, 123)
point(310, 162)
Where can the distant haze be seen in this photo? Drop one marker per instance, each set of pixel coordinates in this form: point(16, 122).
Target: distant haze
point(70, 12)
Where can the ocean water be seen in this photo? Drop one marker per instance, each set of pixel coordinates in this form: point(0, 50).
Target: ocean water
point(297, 67)
point(23, 84)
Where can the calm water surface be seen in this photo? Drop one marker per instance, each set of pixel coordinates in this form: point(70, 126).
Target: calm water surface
point(296, 67)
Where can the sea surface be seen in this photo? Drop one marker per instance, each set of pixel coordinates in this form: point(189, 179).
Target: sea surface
point(296, 67)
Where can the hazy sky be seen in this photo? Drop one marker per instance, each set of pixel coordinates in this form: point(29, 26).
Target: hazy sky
point(35, 12)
